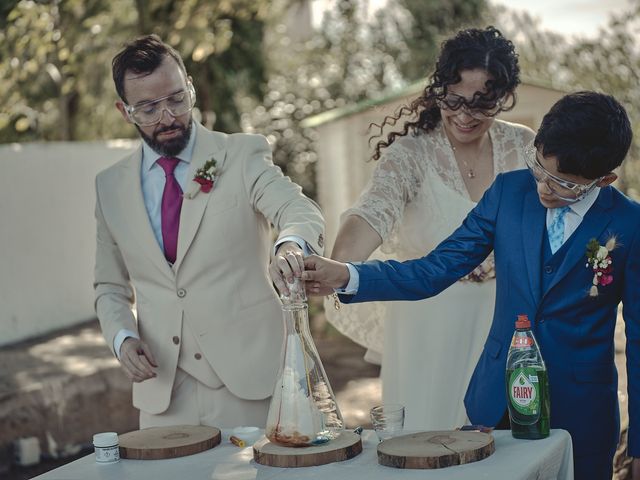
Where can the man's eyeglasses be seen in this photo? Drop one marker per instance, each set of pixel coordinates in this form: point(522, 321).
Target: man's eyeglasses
point(478, 109)
point(149, 113)
point(559, 188)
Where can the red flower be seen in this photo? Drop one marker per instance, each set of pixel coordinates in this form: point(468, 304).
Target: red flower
point(606, 280)
point(205, 184)
point(204, 177)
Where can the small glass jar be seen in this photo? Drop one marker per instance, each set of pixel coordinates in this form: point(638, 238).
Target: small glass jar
point(106, 447)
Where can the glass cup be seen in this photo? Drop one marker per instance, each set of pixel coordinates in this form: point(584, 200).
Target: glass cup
point(387, 420)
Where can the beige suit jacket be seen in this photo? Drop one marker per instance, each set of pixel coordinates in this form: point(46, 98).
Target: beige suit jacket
point(219, 282)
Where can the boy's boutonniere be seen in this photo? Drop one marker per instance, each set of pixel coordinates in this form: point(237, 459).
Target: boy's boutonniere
point(204, 178)
point(599, 260)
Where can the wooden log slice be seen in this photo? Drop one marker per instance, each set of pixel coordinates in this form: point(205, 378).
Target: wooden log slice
point(168, 442)
point(435, 449)
point(346, 446)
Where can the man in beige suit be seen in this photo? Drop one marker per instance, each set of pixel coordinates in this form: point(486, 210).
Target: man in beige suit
point(193, 261)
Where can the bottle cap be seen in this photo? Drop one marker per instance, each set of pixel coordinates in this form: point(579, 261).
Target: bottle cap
point(523, 321)
point(105, 439)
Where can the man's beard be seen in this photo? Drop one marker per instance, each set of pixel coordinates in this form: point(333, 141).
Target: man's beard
point(171, 147)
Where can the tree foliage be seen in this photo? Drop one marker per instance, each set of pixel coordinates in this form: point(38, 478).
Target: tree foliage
point(55, 61)
point(428, 22)
point(251, 74)
point(356, 55)
point(221, 43)
point(609, 63)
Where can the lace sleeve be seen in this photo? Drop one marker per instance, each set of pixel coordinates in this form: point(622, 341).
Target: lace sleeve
point(510, 142)
point(394, 183)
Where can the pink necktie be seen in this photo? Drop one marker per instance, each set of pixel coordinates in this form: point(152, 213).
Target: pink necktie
point(170, 210)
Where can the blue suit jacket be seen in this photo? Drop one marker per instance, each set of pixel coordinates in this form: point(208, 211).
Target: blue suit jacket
point(575, 331)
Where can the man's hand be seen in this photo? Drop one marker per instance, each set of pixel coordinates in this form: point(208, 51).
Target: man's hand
point(635, 469)
point(323, 275)
point(137, 360)
point(287, 263)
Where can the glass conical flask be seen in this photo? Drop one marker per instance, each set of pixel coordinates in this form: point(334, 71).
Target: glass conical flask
point(303, 409)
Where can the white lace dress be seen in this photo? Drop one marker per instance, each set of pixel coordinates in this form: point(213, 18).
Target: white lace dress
point(415, 199)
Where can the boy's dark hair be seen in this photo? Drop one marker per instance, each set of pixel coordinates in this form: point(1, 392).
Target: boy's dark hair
point(588, 132)
point(141, 56)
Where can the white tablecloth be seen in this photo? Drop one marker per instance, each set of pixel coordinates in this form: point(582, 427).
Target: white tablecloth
point(513, 459)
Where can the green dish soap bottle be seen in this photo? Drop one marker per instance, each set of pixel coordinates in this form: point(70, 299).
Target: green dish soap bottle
point(527, 385)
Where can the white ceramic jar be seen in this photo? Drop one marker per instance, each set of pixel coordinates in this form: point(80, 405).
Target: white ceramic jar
point(106, 447)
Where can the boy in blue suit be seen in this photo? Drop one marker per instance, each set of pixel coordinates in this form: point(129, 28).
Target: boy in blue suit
point(539, 222)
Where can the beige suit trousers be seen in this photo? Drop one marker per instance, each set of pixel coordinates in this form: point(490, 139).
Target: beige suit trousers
point(193, 403)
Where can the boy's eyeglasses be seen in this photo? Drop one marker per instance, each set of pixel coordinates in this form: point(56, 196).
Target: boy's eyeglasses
point(149, 113)
point(478, 109)
point(559, 188)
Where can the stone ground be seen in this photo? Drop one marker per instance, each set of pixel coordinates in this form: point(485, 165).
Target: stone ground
point(62, 388)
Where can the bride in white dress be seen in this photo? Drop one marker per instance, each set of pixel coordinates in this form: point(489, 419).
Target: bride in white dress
point(430, 174)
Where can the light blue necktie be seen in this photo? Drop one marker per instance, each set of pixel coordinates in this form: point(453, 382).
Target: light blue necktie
point(556, 229)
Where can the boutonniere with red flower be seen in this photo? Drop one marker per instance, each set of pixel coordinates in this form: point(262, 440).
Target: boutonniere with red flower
point(599, 260)
point(204, 178)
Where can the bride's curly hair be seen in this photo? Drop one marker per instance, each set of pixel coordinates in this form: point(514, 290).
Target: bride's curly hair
point(470, 49)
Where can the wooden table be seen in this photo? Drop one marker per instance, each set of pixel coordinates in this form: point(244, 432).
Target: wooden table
point(551, 458)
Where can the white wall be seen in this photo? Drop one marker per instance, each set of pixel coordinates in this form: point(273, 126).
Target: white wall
point(47, 233)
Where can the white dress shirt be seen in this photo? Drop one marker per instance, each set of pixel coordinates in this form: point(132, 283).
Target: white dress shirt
point(572, 220)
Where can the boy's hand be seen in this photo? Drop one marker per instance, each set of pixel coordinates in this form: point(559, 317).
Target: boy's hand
point(323, 274)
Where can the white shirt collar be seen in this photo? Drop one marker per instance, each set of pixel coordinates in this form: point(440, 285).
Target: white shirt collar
point(150, 156)
point(582, 206)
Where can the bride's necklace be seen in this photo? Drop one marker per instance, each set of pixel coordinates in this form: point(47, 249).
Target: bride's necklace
point(471, 174)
